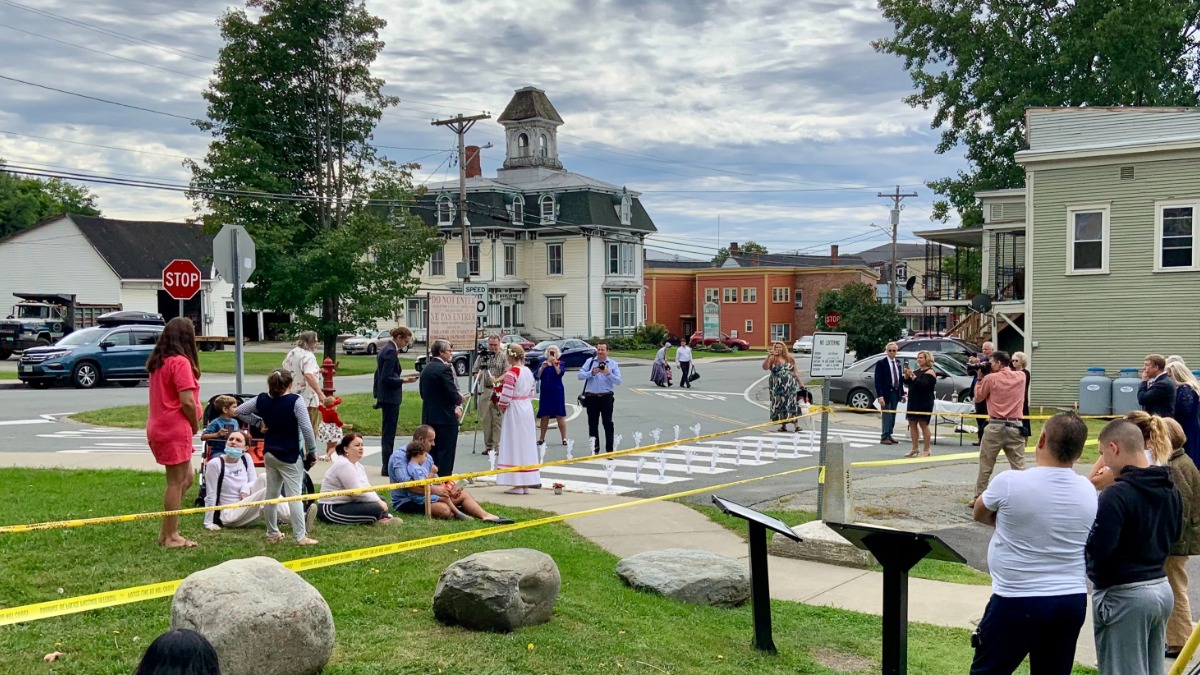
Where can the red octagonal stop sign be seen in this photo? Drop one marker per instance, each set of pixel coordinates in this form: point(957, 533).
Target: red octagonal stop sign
point(181, 279)
point(832, 319)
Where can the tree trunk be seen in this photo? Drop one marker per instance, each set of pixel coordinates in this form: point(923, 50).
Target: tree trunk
point(329, 323)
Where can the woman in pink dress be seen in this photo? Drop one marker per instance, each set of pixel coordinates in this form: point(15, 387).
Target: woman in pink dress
point(174, 369)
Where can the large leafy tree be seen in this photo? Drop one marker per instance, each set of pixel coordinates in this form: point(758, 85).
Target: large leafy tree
point(869, 324)
point(749, 247)
point(292, 109)
point(980, 63)
point(25, 201)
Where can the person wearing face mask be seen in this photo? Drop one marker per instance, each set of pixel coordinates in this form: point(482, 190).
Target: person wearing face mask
point(231, 479)
point(347, 473)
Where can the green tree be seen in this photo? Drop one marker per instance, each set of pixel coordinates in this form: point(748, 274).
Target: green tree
point(868, 324)
point(292, 108)
point(26, 201)
point(981, 63)
point(749, 247)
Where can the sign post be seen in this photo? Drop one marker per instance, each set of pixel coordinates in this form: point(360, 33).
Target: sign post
point(235, 259)
point(828, 360)
point(712, 321)
point(181, 280)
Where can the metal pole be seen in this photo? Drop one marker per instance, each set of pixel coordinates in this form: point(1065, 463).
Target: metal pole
point(239, 364)
point(181, 308)
point(760, 590)
point(461, 130)
point(823, 453)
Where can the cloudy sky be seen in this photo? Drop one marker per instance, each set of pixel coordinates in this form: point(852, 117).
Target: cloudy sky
point(778, 119)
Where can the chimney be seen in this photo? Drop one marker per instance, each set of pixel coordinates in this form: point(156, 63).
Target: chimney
point(733, 250)
point(755, 259)
point(473, 167)
point(833, 254)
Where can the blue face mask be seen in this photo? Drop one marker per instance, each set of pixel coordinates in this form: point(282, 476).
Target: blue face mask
point(234, 453)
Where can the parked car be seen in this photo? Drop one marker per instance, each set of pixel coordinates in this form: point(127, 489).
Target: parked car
point(507, 339)
point(572, 353)
point(733, 343)
point(856, 387)
point(803, 345)
point(460, 359)
point(368, 344)
point(960, 349)
point(91, 356)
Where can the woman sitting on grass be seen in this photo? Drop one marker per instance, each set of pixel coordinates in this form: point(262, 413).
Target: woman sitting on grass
point(347, 473)
point(229, 479)
point(447, 500)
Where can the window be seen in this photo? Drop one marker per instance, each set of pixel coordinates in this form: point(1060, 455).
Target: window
point(554, 259)
point(730, 295)
point(1087, 240)
point(473, 259)
point(510, 260)
point(121, 338)
point(799, 297)
point(781, 332)
point(622, 312)
point(415, 313)
point(445, 211)
point(543, 146)
point(712, 295)
point(626, 210)
point(749, 294)
point(554, 313)
point(145, 338)
point(522, 145)
point(1174, 230)
point(518, 210)
point(749, 325)
point(437, 263)
point(781, 294)
point(620, 259)
point(547, 205)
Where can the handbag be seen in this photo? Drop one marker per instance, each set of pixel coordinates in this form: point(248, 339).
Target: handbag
point(582, 389)
point(693, 375)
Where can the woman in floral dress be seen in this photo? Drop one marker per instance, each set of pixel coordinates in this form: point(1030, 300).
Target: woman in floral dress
point(784, 386)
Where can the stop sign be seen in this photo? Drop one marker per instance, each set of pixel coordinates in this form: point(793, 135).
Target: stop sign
point(181, 279)
point(832, 319)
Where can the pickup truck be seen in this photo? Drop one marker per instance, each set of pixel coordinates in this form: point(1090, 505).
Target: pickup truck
point(39, 320)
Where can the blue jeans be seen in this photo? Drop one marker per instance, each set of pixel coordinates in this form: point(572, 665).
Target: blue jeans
point(1044, 628)
point(889, 418)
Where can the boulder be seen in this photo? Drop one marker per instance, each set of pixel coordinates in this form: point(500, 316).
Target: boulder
point(498, 590)
point(261, 617)
point(698, 577)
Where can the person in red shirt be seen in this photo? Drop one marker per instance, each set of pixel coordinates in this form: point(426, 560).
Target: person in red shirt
point(1003, 392)
point(330, 430)
point(174, 368)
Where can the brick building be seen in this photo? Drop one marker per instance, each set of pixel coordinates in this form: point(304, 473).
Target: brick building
point(763, 298)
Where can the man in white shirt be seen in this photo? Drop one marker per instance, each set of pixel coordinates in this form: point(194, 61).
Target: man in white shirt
point(1042, 516)
point(683, 359)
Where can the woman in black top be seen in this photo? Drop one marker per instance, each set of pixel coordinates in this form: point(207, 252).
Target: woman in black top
point(920, 400)
point(286, 417)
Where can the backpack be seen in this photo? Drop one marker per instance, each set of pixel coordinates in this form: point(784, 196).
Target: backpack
point(220, 480)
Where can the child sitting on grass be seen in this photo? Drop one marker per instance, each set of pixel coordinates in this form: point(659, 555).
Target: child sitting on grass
point(330, 430)
point(420, 466)
point(224, 424)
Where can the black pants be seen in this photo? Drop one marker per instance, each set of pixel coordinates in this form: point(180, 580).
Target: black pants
point(350, 513)
point(391, 417)
point(444, 446)
point(1043, 628)
point(600, 407)
point(685, 369)
point(980, 422)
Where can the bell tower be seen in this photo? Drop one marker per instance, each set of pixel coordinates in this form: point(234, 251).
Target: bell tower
point(531, 130)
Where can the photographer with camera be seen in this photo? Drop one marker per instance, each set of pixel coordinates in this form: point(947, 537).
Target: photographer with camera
point(600, 377)
point(490, 377)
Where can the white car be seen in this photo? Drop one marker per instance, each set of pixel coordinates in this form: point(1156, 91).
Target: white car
point(368, 344)
point(803, 346)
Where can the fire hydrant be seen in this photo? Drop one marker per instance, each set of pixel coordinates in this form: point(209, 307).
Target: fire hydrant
point(328, 368)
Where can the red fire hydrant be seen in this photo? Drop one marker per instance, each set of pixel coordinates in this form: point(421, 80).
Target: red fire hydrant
point(328, 368)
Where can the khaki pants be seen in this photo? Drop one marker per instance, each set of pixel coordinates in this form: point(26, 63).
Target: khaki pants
point(490, 418)
point(999, 436)
point(1179, 626)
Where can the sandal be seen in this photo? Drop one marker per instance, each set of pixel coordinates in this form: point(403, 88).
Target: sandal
point(564, 442)
point(307, 541)
point(926, 454)
point(274, 538)
point(911, 453)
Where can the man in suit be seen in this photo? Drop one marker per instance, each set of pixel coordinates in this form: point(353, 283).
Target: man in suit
point(441, 404)
point(1156, 393)
point(388, 388)
point(979, 367)
point(888, 388)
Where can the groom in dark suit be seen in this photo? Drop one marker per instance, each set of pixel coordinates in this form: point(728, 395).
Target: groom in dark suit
point(889, 387)
point(441, 403)
point(388, 388)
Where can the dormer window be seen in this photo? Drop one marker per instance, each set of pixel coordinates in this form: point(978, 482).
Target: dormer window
point(547, 204)
point(518, 210)
point(626, 210)
point(445, 211)
point(543, 146)
point(522, 145)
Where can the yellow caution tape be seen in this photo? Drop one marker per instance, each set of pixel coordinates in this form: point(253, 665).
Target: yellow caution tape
point(81, 522)
point(846, 408)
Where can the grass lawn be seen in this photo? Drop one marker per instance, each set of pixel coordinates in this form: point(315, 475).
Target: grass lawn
point(936, 570)
point(262, 363)
point(356, 409)
point(1090, 452)
point(381, 607)
point(649, 354)
point(8, 374)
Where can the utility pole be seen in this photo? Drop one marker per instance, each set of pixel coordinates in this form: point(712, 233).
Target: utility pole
point(460, 125)
point(896, 198)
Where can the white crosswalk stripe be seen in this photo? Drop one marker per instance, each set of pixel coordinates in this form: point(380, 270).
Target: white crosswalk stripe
point(131, 441)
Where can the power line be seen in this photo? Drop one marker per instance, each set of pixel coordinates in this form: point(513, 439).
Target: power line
point(93, 145)
point(97, 51)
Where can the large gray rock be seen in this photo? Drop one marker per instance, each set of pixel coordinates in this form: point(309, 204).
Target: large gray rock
point(698, 577)
point(261, 617)
point(819, 543)
point(498, 590)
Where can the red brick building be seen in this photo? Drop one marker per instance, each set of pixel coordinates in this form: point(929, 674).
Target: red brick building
point(763, 298)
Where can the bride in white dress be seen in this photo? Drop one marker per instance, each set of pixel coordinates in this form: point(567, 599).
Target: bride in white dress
point(518, 438)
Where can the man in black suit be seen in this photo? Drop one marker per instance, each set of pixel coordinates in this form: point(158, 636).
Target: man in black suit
point(889, 387)
point(441, 404)
point(388, 388)
point(1156, 393)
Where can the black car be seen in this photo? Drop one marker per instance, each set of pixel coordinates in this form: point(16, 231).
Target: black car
point(460, 359)
point(953, 347)
point(572, 353)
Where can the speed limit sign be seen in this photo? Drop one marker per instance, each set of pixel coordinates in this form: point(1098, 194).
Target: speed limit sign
point(480, 308)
